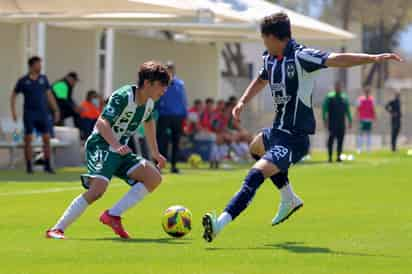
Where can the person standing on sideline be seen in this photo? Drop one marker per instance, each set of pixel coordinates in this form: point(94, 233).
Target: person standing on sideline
point(172, 108)
point(35, 88)
point(335, 108)
point(394, 109)
point(366, 115)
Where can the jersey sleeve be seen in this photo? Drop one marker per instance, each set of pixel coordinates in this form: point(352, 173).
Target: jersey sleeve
point(114, 108)
point(47, 83)
point(18, 88)
point(312, 60)
point(155, 113)
point(263, 74)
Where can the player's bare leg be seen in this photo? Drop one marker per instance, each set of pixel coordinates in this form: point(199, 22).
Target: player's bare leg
point(147, 178)
point(97, 187)
point(28, 152)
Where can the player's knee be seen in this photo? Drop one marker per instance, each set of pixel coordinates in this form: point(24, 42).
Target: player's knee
point(153, 181)
point(96, 191)
point(255, 147)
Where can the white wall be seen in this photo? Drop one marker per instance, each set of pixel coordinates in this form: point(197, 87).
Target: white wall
point(72, 50)
point(11, 63)
point(196, 64)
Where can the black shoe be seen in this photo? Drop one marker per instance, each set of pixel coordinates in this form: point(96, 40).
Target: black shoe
point(339, 160)
point(49, 170)
point(29, 167)
point(175, 170)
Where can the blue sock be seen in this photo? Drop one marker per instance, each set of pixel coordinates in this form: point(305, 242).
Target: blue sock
point(245, 195)
point(280, 179)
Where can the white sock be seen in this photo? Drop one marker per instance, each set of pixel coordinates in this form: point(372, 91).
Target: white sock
point(214, 153)
point(75, 209)
point(368, 141)
point(223, 220)
point(131, 198)
point(360, 141)
point(286, 192)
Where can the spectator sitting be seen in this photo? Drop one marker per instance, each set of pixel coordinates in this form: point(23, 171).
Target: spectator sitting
point(207, 116)
point(192, 123)
point(90, 111)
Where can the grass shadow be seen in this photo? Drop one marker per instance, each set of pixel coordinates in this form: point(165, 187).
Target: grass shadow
point(170, 241)
point(301, 248)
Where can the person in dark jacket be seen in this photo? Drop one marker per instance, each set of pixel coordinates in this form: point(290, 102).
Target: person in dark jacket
point(63, 92)
point(335, 109)
point(394, 109)
point(172, 108)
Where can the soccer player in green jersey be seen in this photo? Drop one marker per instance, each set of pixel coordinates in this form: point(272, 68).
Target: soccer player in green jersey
point(107, 153)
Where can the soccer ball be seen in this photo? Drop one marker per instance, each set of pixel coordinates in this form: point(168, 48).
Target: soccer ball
point(194, 160)
point(177, 221)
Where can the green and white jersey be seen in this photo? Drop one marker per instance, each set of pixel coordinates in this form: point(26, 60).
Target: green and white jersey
point(124, 116)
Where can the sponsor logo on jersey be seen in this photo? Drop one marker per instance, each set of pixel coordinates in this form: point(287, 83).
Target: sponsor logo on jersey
point(290, 70)
point(280, 100)
point(277, 87)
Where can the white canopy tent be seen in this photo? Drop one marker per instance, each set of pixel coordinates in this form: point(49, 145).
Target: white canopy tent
point(189, 20)
point(197, 19)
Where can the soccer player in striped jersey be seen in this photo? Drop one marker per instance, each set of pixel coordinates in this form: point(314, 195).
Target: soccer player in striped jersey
point(107, 153)
point(289, 69)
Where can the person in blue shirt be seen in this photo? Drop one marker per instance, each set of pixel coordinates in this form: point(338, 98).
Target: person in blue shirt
point(35, 88)
point(172, 109)
point(289, 69)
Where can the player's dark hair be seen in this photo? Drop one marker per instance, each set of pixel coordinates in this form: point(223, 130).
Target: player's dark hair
point(33, 60)
point(277, 24)
point(210, 101)
point(153, 71)
point(197, 102)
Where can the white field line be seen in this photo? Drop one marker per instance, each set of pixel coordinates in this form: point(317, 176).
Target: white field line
point(49, 190)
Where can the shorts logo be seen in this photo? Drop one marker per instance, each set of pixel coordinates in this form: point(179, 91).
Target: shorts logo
point(99, 157)
point(110, 111)
point(280, 152)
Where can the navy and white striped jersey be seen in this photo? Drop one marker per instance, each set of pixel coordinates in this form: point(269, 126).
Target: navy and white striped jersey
point(291, 81)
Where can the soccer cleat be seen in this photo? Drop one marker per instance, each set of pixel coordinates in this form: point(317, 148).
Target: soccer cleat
point(286, 209)
point(209, 223)
point(55, 234)
point(115, 222)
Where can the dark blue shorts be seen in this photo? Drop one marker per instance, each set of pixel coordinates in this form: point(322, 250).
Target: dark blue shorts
point(40, 123)
point(283, 149)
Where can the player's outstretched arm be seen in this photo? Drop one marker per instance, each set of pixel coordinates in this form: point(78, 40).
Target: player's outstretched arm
point(254, 88)
point(104, 128)
point(150, 132)
point(345, 60)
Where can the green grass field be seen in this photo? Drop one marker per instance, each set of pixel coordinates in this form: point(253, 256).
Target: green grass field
point(357, 218)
